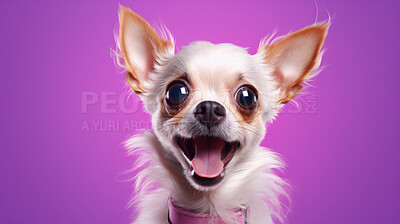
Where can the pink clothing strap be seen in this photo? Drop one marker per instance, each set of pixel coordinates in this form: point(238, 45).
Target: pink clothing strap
point(178, 215)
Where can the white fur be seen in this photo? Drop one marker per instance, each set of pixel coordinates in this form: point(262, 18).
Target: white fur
point(253, 183)
point(251, 178)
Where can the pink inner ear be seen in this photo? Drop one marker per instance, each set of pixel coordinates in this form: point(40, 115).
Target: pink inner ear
point(294, 57)
point(138, 48)
point(279, 77)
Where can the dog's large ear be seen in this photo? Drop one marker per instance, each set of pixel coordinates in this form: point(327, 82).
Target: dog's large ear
point(140, 47)
point(294, 57)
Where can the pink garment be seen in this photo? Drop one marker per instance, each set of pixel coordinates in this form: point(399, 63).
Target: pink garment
point(177, 215)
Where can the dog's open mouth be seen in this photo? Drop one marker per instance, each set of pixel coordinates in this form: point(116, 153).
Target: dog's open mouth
point(208, 157)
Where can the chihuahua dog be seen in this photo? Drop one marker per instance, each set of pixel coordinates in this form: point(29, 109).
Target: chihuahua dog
point(210, 103)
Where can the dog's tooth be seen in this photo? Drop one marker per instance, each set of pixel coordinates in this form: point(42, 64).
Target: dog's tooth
point(191, 172)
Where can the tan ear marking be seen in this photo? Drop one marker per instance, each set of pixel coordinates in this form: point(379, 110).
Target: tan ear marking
point(294, 57)
point(140, 44)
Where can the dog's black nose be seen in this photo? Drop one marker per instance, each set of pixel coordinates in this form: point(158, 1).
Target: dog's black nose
point(210, 113)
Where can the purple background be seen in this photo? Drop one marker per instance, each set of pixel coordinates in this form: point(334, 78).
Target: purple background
point(343, 158)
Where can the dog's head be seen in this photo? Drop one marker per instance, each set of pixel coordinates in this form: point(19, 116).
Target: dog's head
point(210, 102)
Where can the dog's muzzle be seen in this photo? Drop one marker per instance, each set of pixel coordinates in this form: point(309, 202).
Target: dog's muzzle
point(207, 153)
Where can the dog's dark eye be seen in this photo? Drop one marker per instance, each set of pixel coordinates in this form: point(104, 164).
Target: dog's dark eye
point(246, 97)
point(176, 93)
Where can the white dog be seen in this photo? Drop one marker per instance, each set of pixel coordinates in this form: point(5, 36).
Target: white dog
point(209, 103)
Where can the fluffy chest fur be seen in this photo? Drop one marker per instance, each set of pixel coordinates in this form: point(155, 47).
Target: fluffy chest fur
point(254, 184)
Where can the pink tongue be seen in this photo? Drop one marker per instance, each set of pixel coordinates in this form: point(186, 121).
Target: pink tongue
point(207, 161)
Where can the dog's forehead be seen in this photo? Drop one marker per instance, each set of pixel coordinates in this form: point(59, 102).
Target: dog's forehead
point(208, 64)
